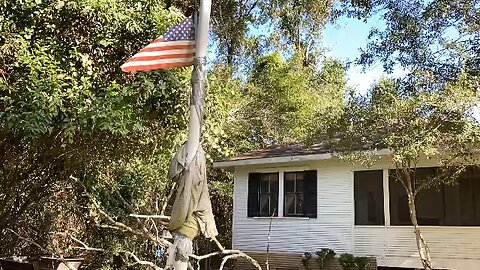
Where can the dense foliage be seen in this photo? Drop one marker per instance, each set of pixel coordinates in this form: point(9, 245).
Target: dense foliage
point(430, 112)
point(67, 111)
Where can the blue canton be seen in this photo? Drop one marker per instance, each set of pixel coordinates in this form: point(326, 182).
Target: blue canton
point(184, 31)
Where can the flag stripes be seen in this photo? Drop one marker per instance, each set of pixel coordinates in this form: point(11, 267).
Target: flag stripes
point(176, 48)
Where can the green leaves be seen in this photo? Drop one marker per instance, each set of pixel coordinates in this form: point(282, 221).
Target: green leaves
point(66, 109)
point(290, 100)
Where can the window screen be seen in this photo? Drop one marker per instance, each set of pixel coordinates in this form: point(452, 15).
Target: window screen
point(368, 193)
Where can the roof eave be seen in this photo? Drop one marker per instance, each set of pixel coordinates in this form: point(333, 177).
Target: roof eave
point(230, 164)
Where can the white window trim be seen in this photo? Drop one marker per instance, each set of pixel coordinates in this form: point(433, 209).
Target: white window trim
point(386, 197)
point(281, 195)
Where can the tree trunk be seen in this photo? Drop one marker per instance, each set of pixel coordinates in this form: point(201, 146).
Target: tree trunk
point(422, 246)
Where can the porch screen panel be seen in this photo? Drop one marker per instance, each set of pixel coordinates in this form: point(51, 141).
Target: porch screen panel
point(368, 193)
point(444, 205)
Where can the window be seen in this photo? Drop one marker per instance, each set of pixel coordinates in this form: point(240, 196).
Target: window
point(446, 205)
point(262, 194)
point(300, 194)
point(368, 193)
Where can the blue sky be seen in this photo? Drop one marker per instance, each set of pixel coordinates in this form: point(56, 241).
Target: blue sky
point(343, 40)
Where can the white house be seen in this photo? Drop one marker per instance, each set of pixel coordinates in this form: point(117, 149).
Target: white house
point(319, 201)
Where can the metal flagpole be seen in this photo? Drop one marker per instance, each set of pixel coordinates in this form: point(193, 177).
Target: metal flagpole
point(182, 244)
point(198, 80)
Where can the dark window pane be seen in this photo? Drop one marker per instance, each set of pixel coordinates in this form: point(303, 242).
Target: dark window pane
point(289, 176)
point(273, 204)
point(274, 185)
point(264, 185)
point(273, 176)
point(299, 201)
point(264, 204)
point(299, 204)
point(468, 202)
point(455, 205)
point(368, 193)
point(290, 203)
point(299, 185)
point(262, 194)
point(399, 212)
point(429, 205)
point(289, 186)
point(429, 202)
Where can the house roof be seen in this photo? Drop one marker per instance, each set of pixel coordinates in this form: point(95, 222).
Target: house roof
point(280, 154)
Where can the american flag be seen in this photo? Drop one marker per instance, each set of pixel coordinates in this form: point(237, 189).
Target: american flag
point(175, 48)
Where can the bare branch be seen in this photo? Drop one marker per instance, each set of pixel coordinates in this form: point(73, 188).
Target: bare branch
point(230, 254)
point(267, 263)
point(84, 246)
point(214, 239)
point(30, 241)
point(119, 225)
point(226, 258)
point(151, 216)
point(140, 262)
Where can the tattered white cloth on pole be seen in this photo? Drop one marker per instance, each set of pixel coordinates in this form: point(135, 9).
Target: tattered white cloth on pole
point(192, 210)
point(178, 253)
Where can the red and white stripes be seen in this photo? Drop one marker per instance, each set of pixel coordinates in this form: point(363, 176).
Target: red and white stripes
point(161, 54)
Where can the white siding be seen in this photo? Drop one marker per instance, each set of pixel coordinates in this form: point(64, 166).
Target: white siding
point(451, 247)
point(331, 229)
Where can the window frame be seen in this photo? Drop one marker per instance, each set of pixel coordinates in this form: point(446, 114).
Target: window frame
point(310, 178)
point(295, 193)
point(254, 196)
point(269, 194)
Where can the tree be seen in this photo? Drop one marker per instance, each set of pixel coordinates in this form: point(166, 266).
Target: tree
point(298, 27)
point(429, 111)
point(413, 125)
point(285, 96)
point(68, 110)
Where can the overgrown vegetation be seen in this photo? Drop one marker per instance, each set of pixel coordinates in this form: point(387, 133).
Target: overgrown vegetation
point(67, 111)
point(429, 112)
point(323, 256)
point(350, 262)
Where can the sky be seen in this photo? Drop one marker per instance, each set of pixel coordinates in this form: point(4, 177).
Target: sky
point(343, 40)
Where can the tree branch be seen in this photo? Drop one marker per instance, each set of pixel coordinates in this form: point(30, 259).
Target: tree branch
point(84, 246)
point(60, 257)
point(140, 262)
point(30, 241)
point(151, 216)
point(119, 225)
point(231, 253)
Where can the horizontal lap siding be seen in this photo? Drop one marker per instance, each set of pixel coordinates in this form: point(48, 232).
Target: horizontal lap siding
point(331, 229)
point(445, 243)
